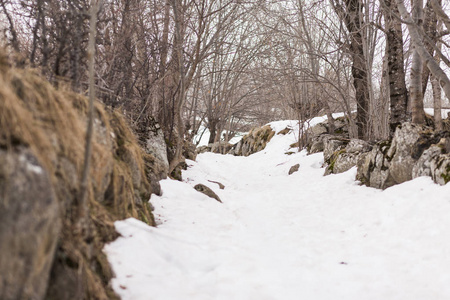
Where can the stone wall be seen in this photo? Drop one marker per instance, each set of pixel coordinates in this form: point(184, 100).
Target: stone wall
point(413, 151)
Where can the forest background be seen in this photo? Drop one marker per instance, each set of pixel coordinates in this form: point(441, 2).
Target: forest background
point(228, 65)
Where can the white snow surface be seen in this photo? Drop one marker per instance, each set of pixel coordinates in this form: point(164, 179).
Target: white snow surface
point(203, 137)
point(303, 236)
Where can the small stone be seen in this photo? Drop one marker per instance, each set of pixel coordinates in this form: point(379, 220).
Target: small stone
point(207, 191)
point(294, 169)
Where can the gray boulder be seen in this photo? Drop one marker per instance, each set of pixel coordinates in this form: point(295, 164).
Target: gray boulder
point(373, 168)
point(316, 144)
point(343, 159)
point(401, 165)
point(318, 129)
point(156, 146)
point(414, 151)
point(255, 141)
point(29, 226)
point(331, 144)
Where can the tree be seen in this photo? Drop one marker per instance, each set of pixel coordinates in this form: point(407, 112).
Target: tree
point(416, 39)
point(396, 71)
point(350, 12)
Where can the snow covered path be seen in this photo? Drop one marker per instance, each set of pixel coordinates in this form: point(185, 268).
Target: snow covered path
point(303, 236)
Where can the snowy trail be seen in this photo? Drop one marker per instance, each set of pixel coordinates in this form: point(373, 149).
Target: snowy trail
point(303, 236)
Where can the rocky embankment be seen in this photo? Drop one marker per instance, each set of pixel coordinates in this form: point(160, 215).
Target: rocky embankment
point(413, 151)
point(254, 141)
point(46, 251)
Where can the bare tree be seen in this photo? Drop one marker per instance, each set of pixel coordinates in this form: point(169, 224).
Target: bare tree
point(396, 70)
point(416, 39)
point(350, 11)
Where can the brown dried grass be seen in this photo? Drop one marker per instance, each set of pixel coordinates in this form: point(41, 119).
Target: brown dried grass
point(52, 123)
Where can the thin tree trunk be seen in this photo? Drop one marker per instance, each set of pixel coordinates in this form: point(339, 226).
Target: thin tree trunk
point(181, 93)
point(418, 114)
point(83, 207)
point(430, 29)
point(437, 101)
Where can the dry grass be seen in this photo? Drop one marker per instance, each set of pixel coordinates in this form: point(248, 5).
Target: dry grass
point(52, 124)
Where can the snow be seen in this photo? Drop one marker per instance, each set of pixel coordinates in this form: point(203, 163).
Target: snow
point(303, 236)
point(203, 137)
point(444, 112)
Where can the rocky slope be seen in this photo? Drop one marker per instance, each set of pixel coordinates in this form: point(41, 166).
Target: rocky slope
point(413, 151)
point(45, 252)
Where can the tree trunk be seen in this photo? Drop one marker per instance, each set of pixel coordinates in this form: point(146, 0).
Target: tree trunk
point(396, 72)
point(437, 104)
point(430, 29)
point(429, 61)
point(418, 114)
point(83, 207)
point(180, 96)
point(352, 17)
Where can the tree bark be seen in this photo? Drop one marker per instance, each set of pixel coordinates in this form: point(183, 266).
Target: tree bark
point(437, 104)
point(398, 93)
point(418, 114)
point(352, 17)
point(429, 61)
point(430, 29)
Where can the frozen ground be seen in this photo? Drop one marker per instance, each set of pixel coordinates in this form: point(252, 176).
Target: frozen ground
point(275, 236)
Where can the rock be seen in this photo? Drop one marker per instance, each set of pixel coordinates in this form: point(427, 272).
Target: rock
point(441, 171)
point(318, 129)
point(402, 162)
point(434, 162)
point(356, 145)
point(46, 251)
point(177, 172)
point(202, 149)
point(410, 154)
point(220, 147)
point(29, 226)
point(316, 144)
point(343, 160)
point(285, 131)
point(207, 191)
point(426, 162)
point(294, 169)
point(189, 151)
point(255, 141)
point(331, 145)
point(156, 146)
point(340, 162)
